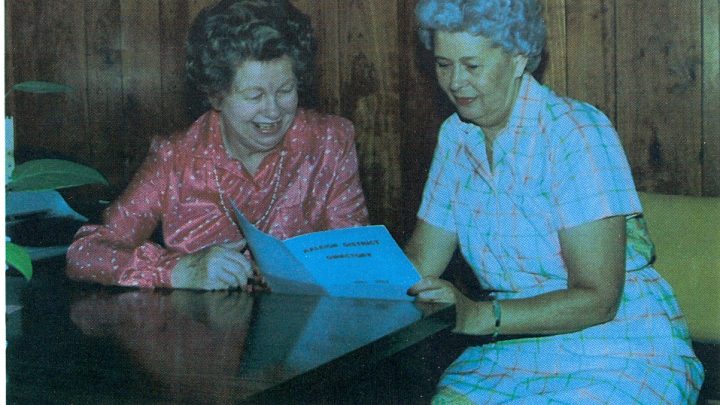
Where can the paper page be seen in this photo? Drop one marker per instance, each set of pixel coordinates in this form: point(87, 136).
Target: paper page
point(283, 272)
point(359, 262)
point(362, 262)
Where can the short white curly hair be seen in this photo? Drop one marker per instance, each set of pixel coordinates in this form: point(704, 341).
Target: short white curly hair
point(515, 25)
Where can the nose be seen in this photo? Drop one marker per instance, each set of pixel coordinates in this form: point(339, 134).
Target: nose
point(271, 108)
point(458, 78)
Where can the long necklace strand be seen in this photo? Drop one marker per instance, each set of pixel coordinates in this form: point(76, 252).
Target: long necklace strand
point(273, 198)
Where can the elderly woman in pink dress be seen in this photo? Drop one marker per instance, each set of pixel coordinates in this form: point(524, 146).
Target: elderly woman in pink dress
point(536, 192)
point(289, 170)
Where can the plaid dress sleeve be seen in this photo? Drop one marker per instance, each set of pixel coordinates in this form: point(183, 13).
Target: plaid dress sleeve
point(589, 173)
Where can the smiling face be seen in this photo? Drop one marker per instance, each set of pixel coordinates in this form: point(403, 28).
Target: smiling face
point(259, 108)
point(482, 80)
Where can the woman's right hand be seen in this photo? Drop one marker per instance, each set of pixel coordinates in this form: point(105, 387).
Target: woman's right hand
point(219, 267)
point(433, 289)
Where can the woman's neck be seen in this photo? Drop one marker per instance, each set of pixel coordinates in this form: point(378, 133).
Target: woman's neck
point(250, 160)
point(491, 133)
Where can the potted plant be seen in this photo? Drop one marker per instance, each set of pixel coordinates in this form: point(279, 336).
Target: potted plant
point(39, 175)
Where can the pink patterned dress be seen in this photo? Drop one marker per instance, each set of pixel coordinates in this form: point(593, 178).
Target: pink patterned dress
point(557, 164)
point(316, 188)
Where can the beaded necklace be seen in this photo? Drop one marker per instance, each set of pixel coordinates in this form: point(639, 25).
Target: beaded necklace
point(273, 198)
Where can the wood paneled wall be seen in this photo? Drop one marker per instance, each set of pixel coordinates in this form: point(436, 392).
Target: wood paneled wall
point(651, 65)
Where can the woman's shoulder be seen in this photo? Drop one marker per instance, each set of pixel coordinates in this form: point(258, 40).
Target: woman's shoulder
point(563, 109)
point(571, 116)
point(574, 125)
point(324, 126)
point(316, 119)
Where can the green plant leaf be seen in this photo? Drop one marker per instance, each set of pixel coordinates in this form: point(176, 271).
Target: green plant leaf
point(17, 257)
point(52, 174)
point(42, 87)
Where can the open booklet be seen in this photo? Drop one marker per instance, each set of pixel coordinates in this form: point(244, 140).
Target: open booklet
point(359, 262)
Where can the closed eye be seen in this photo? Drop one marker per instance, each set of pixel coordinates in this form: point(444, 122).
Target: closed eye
point(253, 95)
point(287, 89)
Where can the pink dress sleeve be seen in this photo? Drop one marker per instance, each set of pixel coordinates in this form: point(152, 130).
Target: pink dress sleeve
point(346, 201)
point(118, 252)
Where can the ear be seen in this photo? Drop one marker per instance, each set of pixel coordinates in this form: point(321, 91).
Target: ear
point(520, 62)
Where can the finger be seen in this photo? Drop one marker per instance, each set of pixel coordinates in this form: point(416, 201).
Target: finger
point(237, 279)
point(236, 261)
point(225, 268)
point(257, 276)
point(257, 283)
point(439, 295)
point(238, 246)
point(225, 276)
point(427, 283)
point(241, 271)
point(240, 265)
point(219, 279)
point(239, 257)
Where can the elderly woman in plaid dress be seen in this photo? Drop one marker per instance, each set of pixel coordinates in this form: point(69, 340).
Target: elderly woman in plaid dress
point(536, 192)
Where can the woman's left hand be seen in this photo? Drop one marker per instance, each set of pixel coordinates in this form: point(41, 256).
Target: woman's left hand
point(467, 311)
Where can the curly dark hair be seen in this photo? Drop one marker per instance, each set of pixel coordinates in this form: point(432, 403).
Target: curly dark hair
point(225, 35)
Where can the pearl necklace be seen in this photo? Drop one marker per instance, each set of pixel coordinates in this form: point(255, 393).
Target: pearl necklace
point(273, 198)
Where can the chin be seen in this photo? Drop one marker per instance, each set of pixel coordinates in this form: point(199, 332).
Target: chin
point(472, 118)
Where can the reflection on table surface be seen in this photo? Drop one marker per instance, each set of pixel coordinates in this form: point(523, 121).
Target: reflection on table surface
point(78, 343)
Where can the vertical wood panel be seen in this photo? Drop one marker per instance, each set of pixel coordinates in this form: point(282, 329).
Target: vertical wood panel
point(49, 44)
point(194, 7)
point(66, 56)
point(423, 107)
point(659, 92)
point(105, 88)
point(25, 67)
point(369, 97)
point(553, 67)
point(9, 68)
point(325, 23)
point(180, 103)
point(141, 68)
point(175, 20)
point(711, 98)
point(328, 66)
point(591, 53)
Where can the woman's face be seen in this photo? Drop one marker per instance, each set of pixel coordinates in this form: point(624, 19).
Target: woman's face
point(259, 107)
point(480, 79)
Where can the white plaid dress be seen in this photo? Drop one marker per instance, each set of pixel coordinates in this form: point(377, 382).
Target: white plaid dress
point(558, 164)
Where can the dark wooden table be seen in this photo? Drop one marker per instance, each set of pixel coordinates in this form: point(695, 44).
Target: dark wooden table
point(78, 343)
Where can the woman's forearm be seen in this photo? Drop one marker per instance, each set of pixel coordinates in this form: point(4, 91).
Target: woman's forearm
point(556, 312)
point(99, 254)
point(430, 249)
